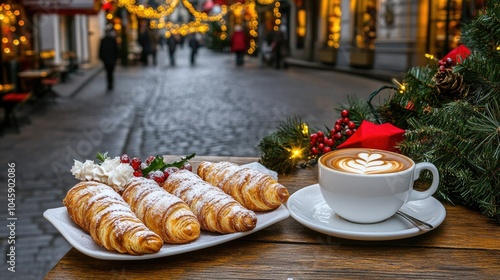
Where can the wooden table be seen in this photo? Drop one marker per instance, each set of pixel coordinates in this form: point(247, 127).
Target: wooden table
point(465, 245)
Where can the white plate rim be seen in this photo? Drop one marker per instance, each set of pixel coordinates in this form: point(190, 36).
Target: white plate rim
point(82, 241)
point(438, 216)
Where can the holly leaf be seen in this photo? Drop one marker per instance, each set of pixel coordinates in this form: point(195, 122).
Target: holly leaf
point(102, 156)
point(182, 162)
point(159, 164)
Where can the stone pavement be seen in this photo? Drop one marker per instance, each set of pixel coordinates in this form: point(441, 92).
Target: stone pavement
point(211, 108)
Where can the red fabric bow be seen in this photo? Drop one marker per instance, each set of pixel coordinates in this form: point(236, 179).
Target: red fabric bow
point(458, 54)
point(375, 136)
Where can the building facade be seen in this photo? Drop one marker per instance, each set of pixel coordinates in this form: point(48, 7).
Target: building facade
point(376, 34)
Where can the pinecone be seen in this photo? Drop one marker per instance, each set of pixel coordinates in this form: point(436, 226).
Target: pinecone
point(450, 84)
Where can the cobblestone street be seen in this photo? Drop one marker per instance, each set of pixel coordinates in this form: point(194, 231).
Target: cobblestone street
point(210, 108)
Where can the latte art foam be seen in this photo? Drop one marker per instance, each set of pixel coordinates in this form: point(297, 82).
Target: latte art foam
point(366, 161)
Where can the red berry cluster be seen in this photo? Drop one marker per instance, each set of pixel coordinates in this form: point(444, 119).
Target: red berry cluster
point(158, 175)
point(445, 64)
point(343, 128)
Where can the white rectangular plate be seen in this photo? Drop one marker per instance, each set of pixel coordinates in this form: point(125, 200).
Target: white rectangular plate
point(83, 242)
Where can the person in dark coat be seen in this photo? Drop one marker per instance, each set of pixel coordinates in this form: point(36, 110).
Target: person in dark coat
point(172, 42)
point(145, 42)
point(194, 44)
point(108, 53)
point(279, 48)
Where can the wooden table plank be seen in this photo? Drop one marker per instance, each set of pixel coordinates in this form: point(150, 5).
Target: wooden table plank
point(251, 260)
point(466, 245)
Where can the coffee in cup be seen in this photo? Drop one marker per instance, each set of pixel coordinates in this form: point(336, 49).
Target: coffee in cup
point(368, 185)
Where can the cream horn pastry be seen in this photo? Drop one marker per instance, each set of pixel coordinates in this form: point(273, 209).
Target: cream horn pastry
point(102, 212)
point(216, 210)
point(162, 212)
point(254, 190)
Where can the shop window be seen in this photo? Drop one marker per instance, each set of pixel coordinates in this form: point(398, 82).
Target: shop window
point(301, 20)
point(332, 15)
point(446, 24)
point(446, 21)
point(365, 32)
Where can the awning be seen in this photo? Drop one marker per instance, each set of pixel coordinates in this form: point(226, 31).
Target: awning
point(65, 7)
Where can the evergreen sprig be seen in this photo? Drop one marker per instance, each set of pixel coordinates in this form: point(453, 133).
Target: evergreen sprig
point(285, 149)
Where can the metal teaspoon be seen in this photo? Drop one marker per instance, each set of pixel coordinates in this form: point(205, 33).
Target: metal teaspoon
point(416, 222)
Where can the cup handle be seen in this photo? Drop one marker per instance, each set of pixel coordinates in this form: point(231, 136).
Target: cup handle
point(418, 195)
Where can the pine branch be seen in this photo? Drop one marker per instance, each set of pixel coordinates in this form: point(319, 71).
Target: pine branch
point(482, 75)
point(482, 34)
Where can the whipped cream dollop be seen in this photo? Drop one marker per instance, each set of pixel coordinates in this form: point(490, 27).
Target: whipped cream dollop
point(110, 172)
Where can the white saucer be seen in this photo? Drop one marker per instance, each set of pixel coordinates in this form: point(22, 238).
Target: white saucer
point(308, 207)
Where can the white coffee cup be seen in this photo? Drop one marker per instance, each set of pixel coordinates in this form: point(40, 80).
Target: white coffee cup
point(369, 186)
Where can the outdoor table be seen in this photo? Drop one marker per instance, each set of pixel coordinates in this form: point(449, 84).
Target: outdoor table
point(33, 80)
point(465, 245)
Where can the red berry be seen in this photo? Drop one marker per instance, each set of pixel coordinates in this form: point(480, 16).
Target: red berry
point(337, 128)
point(187, 166)
point(124, 158)
point(320, 134)
point(314, 137)
point(170, 170)
point(449, 61)
point(338, 121)
point(321, 146)
point(330, 142)
point(135, 163)
point(150, 159)
point(321, 139)
point(337, 136)
point(327, 149)
point(137, 173)
point(314, 150)
point(345, 120)
point(344, 113)
point(442, 68)
point(348, 132)
point(158, 176)
point(351, 125)
point(312, 144)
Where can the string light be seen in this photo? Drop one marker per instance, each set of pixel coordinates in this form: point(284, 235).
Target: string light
point(430, 56)
point(277, 16)
point(402, 87)
point(265, 2)
point(142, 11)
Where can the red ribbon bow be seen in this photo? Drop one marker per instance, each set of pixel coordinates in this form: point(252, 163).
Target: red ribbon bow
point(375, 136)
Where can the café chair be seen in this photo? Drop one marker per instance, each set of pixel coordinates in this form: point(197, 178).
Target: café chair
point(11, 103)
point(48, 84)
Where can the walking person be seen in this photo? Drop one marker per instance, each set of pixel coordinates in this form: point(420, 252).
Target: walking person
point(145, 42)
point(239, 44)
point(108, 53)
point(279, 48)
point(194, 44)
point(172, 42)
